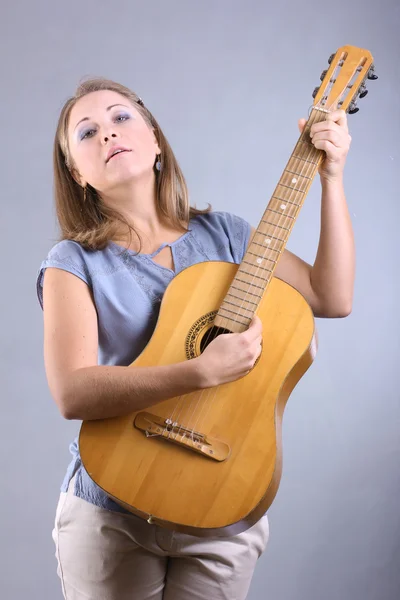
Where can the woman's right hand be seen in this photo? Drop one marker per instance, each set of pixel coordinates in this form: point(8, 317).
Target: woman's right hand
point(230, 356)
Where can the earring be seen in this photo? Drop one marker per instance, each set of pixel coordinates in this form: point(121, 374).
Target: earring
point(158, 163)
point(84, 193)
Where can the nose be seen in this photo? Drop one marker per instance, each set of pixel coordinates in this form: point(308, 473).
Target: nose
point(107, 137)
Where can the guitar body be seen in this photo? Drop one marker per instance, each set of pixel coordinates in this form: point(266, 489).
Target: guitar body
point(217, 469)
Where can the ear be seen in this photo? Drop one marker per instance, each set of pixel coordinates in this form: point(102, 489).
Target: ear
point(157, 145)
point(76, 177)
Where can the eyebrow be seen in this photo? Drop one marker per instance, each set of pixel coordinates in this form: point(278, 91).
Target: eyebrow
point(108, 108)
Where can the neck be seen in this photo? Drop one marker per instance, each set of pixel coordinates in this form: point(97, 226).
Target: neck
point(136, 201)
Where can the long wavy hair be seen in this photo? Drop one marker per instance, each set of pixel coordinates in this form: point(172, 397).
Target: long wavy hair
point(89, 221)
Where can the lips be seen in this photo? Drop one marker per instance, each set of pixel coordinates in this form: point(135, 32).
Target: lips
point(115, 151)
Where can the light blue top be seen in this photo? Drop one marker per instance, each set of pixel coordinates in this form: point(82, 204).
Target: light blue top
point(127, 290)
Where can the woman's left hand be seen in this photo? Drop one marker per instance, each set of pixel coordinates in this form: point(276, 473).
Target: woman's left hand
point(332, 136)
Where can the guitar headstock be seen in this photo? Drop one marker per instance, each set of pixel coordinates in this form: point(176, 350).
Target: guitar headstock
point(349, 69)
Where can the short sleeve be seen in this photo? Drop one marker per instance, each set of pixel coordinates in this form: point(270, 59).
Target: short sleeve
point(68, 256)
point(238, 231)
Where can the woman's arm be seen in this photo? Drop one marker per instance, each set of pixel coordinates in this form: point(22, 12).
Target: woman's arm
point(81, 388)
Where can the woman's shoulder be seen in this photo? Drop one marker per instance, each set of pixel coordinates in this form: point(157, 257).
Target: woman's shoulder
point(224, 226)
point(70, 256)
point(229, 221)
point(64, 248)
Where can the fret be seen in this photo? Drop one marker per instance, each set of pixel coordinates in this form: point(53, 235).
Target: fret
point(271, 237)
point(284, 192)
point(298, 174)
point(280, 212)
point(245, 291)
point(234, 304)
point(291, 188)
point(258, 266)
point(238, 297)
point(251, 274)
point(275, 225)
point(305, 160)
point(302, 168)
point(236, 320)
point(234, 313)
point(269, 248)
point(307, 144)
point(249, 252)
point(247, 283)
point(299, 167)
point(297, 184)
point(287, 201)
point(288, 207)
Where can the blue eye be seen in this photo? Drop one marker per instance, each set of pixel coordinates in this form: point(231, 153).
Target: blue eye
point(83, 136)
point(123, 116)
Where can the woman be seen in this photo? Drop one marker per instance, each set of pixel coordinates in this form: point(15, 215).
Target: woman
point(101, 287)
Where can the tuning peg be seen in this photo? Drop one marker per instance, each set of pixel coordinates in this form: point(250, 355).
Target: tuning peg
point(363, 90)
point(353, 108)
point(330, 59)
point(371, 73)
point(315, 92)
point(323, 74)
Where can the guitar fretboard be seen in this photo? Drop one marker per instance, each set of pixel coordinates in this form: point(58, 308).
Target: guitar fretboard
point(270, 238)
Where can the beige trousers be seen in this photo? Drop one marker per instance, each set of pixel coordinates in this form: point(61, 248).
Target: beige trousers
point(104, 555)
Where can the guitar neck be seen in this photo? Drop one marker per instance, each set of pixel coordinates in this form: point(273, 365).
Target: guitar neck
point(270, 238)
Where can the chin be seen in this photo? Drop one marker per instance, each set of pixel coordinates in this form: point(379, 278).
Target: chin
point(125, 177)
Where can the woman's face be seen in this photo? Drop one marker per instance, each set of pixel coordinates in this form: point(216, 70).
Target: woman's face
point(101, 121)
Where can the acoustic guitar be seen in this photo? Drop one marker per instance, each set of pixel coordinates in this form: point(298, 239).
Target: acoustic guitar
point(209, 463)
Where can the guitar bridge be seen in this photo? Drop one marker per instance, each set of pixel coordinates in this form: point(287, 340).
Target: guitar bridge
point(155, 426)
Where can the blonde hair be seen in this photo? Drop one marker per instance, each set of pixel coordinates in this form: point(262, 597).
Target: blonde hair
point(90, 222)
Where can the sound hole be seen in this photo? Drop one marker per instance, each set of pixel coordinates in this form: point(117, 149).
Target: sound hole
point(210, 335)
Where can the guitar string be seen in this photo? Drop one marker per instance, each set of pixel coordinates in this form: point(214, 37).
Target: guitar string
point(281, 220)
point(200, 398)
point(318, 155)
point(206, 401)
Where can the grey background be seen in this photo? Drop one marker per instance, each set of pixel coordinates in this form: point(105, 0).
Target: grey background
point(227, 81)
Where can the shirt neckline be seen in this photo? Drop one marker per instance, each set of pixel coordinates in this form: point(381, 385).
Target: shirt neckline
point(153, 254)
